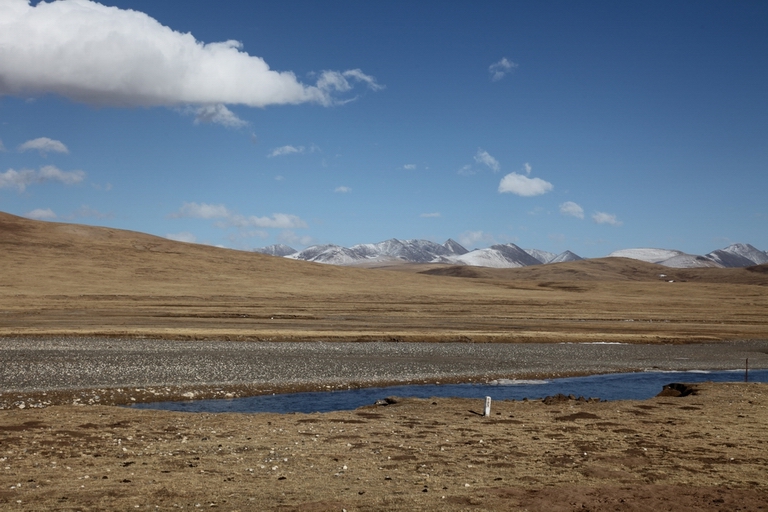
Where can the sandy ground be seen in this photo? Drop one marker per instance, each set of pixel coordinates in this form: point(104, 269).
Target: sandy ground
point(705, 451)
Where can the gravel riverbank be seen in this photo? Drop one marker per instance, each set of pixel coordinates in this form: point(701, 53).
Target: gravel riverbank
point(37, 372)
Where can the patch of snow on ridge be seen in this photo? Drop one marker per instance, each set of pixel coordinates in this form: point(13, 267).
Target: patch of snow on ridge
point(542, 256)
point(487, 258)
point(646, 254)
point(277, 250)
point(755, 255)
point(564, 257)
point(689, 261)
point(454, 247)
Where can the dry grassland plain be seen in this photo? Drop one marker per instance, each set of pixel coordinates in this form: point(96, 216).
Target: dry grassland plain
point(62, 279)
point(705, 451)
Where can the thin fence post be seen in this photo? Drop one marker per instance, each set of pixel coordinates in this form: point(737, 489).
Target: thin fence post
point(487, 406)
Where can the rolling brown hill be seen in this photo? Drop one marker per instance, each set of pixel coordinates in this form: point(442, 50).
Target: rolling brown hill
point(71, 279)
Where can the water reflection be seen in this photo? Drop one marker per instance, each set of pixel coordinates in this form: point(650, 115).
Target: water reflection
point(618, 386)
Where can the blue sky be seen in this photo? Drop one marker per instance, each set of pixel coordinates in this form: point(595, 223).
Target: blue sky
point(589, 126)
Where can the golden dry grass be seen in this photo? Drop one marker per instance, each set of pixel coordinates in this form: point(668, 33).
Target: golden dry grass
point(71, 279)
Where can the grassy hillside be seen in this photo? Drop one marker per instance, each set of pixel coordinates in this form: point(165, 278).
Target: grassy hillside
point(70, 279)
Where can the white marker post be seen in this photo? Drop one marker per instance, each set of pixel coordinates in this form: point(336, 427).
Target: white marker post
point(487, 406)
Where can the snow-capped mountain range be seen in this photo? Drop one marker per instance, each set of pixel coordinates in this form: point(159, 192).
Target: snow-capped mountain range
point(503, 255)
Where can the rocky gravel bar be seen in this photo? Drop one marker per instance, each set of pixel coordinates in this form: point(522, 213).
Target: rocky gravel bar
point(37, 372)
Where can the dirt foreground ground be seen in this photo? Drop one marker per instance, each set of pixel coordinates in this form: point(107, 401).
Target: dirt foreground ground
point(705, 451)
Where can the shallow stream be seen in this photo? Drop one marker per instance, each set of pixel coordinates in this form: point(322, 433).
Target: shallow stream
point(616, 386)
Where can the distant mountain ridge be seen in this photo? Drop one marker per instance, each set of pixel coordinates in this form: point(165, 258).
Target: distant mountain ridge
point(503, 255)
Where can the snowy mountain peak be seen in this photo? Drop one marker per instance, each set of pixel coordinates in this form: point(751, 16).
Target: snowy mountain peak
point(276, 250)
point(646, 254)
point(514, 253)
point(564, 257)
point(542, 256)
point(755, 255)
point(738, 255)
point(454, 247)
point(503, 255)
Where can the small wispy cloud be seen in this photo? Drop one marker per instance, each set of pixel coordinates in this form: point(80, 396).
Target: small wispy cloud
point(523, 185)
point(467, 170)
point(276, 220)
point(409, 167)
point(2, 147)
point(484, 158)
point(499, 70)
point(44, 145)
point(572, 209)
point(606, 218)
point(232, 219)
point(432, 215)
point(217, 114)
point(201, 211)
point(286, 150)
point(41, 214)
point(184, 236)
point(289, 237)
point(470, 238)
point(343, 190)
point(25, 177)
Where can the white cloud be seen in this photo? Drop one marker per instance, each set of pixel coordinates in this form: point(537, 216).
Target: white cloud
point(343, 190)
point(44, 145)
point(409, 167)
point(433, 215)
point(523, 185)
point(288, 237)
point(202, 211)
point(2, 147)
point(103, 55)
point(572, 209)
point(470, 238)
point(277, 220)
point(231, 219)
point(184, 236)
point(41, 214)
point(606, 218)
point(482, 157)
point(218, 114)
point(358, 76)
point(527, 168)
point(286, 150)
point(499, 69)
point(25, 177)
point(467, 170)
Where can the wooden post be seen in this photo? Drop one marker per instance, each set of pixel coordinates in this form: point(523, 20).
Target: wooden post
point(487, 406)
